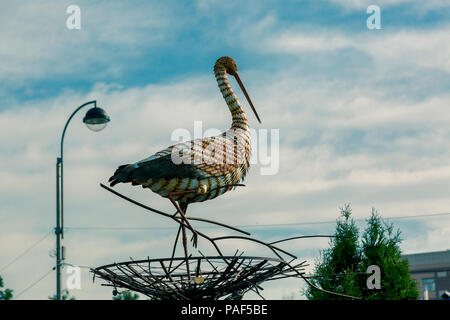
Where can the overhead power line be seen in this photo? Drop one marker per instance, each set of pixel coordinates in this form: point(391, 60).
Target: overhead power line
point(34, 283)
point(26, 251)
point(419, 216)
point(263, 225)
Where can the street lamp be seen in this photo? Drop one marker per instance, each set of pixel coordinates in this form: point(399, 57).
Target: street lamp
point(95, 119)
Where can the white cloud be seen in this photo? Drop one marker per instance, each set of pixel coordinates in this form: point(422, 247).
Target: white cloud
point(36, 43)
point(414, 48)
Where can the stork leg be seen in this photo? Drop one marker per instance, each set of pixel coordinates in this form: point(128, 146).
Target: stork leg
point(183, 217)
point(183, 207)
point(183, 232)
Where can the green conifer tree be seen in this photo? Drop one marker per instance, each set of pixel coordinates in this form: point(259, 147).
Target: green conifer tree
point(5, 294)
point(342, 268)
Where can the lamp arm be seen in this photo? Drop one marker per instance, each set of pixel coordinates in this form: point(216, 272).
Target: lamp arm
point(67, 123)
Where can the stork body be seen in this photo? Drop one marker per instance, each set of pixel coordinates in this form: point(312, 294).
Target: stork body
point(209, 167)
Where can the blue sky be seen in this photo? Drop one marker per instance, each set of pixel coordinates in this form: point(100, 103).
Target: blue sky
point(362, 116)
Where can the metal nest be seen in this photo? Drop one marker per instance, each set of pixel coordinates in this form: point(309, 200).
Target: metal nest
point(213, 278)
point(204, 277)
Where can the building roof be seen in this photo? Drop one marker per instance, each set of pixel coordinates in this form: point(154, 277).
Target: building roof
point(428, 258)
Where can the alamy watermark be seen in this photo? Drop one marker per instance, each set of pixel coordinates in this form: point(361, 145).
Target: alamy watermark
point(74, 277)
point(211, 147)
point(374, 281)
point(374, 20)
point(74, 19)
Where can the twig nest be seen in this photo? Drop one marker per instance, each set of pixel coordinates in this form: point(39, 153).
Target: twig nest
point(202, 189)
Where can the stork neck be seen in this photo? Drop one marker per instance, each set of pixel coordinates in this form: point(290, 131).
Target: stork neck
point(237, 113)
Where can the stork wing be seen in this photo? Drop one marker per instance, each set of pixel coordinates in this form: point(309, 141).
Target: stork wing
point(199, 158)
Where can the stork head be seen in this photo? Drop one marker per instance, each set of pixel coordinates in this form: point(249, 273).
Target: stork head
point(228, 63)
point(230, 67)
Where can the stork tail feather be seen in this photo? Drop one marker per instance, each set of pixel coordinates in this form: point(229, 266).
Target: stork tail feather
point(122, 174)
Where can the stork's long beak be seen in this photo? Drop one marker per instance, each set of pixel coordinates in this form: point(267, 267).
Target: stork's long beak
point(246, 95)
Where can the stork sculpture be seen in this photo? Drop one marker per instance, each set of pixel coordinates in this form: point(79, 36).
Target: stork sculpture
point(201, 169)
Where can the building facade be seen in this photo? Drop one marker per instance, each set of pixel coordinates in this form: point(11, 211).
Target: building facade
point(431, 271)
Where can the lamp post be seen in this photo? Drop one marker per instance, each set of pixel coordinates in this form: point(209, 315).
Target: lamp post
point(95, 119)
